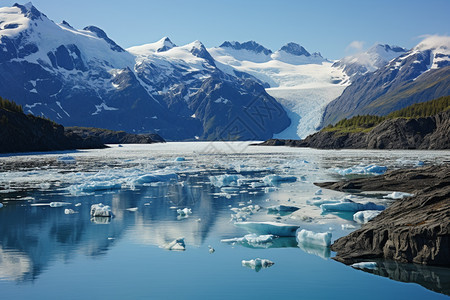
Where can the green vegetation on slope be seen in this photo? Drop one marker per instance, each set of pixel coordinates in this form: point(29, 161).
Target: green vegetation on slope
point(10, 105)
point(365, 123)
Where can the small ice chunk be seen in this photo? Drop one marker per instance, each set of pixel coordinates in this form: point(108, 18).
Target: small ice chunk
point(1, 205)
point(211, 249)
point(251, 239)
point(350, 206)
point(273, 228)
point(398, 195)
point(365, 216)
point(225, 180)
point(348, 226)
point(370, 265)
point(318, 192)
point(132, 209)
point(177, 245)
point(180, 159)
point(100, 210)
point(120, 146)
point(361, 169)
point(78, 204)
point(318, 202)
point(257, 264)
point(257, 184)
point(69, 211)
point(282, 208)
point(184, 212)
point(67, 159)
point(58, 204)
point(274, 180)
point(311, 237)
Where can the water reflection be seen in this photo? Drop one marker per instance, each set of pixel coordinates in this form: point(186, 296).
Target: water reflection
point(433, 278)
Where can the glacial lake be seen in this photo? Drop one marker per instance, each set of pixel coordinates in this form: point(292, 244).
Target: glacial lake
point(48, 254)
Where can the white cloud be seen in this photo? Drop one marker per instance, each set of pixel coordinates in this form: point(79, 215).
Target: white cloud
point(355, 46)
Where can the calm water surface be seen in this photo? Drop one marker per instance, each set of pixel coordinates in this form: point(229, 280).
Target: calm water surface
point(47, 254)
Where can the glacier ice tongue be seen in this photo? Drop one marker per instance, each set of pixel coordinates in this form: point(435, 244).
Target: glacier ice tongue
point(310, 237)
point(278, 229)
point(257, 264)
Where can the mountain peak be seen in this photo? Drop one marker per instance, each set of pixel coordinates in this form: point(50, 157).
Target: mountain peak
point(250, 46)
point(165, 44)
point(101, 34)
point(29, 10)
point(295, 49)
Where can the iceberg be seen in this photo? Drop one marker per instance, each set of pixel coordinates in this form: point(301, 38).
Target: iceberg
point(278, 229)
point(318, 192)
point(257, 264)
point(150, 178)
point(91, 187)
point(69, 211)
point(100, 210)
point(370, 265)
point(361, 169)
point(313, 238)
point(184, 212)
point(132, 209)
point(180, 159)
point(273, 180)
point(252, 239)
point(365, 216)
point(348, 226)
point(177, 245)
point(398, 195)
point(348, 205)
point(59, 204)
point(320, 251)
point(224, 180)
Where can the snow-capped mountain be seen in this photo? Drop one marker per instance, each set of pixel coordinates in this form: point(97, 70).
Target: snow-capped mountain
point(303, 83)
point(368, 61)
point(418, 75)
point(83, 78)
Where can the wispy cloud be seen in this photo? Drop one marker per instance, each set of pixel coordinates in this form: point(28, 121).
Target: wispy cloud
point(355, 46)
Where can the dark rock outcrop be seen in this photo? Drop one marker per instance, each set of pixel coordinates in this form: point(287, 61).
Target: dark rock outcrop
point(107, 136)
point(25, 133)
point(414, 230)
point(421, 133)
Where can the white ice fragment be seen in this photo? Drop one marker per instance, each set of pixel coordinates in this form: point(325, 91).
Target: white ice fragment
point(273, 180)
point(90, 187)
point(365, 216)
point(350, 206)
point(348, 226)
point(132, 209)
point(150, 178)
point(251, 239)
point(273, 228)
point(184, 212)
point(58, 204)
point(318, 192)
point(361, 169)
point(67, 159)
point(211, 249)
point(100, 210)
point(257, 263)
point(225, 180)
point(370, 265)
point(180, 159)
point(314, 238)
point(177, 245)
point(318, 202)
point(398, 195)
point(78, 204)
point(69, 211)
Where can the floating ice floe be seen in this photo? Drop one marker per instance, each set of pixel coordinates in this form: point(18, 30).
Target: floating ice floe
point(348, 205)
point(365, 216)
point(67, 159)
point(90, 187)
point(273, 180)
point(370, 265)
point(361, 169)
point(278, 229)
point(132, 209)
point(318, 192)
point(180, 159)
point(282, 208)
point(69, 211)
point(211, 250)
point(318, 202)
point(257, 264)
point(100, 210)
point(177, 245)
point(59, 204)
point(184, 213)
point(156, 177)
point(78, 204)
point(314, 238)
point(225, 180)
point(254, 240)
point(398, 195)
point(241, 214)
point(348, 226)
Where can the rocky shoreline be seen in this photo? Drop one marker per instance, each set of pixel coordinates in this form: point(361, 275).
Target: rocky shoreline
point(400, 133)
point(413, 230)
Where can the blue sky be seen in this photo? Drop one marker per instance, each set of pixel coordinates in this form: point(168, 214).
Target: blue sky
point(334, 28)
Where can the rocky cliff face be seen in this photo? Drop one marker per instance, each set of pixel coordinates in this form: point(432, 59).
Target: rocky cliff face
point(24, 133)
point(415, 229)
point(421, 133)
point(114, 137)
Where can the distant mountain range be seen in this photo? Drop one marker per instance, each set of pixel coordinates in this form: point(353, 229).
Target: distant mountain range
point(235, 91)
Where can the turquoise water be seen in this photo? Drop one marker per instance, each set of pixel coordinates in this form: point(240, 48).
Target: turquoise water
point(47, 254)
